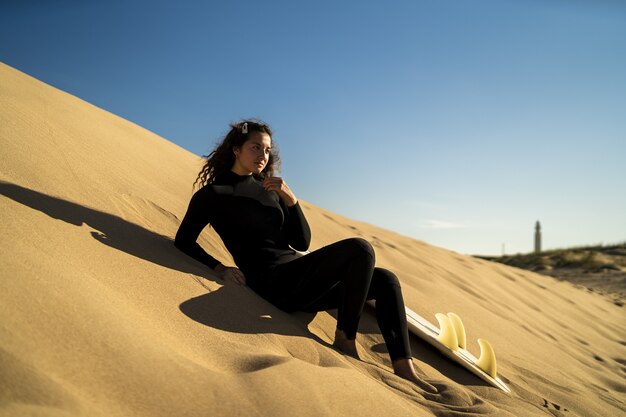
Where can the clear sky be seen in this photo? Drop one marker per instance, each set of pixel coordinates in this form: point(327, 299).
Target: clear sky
point(459, 123)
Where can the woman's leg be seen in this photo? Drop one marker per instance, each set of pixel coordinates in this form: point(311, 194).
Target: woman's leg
point(340, 273)
point(390, 313)
point(343, 276)
point(391, 316)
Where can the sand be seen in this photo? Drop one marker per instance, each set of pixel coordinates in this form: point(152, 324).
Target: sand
point(101, 316)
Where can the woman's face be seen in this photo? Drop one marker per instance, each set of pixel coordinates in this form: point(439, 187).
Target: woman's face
point(252, 157)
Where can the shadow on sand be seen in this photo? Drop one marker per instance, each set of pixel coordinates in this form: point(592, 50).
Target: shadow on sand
point(112, 230)
point(238, 309)
point(231, 308)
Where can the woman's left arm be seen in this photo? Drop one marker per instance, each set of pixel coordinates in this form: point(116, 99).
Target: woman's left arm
point(298, 230)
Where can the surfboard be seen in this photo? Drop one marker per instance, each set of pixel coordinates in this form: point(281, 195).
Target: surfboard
point(450, 339)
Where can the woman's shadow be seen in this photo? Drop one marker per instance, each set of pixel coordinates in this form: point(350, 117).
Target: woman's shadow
point(238, 309)
point(111, 230)
point(230, 307)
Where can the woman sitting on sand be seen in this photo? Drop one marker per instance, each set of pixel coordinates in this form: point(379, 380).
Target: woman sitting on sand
point(262, 224)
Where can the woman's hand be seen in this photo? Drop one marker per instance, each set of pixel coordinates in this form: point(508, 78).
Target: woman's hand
point(280, 186)
point(232, 274)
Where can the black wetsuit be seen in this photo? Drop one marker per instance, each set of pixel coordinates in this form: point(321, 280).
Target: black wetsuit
point(261, 233)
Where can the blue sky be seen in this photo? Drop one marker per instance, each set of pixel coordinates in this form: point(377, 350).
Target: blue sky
point(459, 123)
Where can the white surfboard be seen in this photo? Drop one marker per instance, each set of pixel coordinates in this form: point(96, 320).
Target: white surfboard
point(450, 339)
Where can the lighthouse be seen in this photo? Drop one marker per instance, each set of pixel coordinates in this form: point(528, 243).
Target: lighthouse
point(537, 237)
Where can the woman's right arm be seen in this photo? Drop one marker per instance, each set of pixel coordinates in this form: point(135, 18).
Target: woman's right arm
point(195, 220)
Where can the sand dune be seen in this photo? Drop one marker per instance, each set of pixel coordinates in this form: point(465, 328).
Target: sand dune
point(101, 315)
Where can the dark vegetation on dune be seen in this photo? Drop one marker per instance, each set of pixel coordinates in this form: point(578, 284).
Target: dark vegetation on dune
point(600, 268)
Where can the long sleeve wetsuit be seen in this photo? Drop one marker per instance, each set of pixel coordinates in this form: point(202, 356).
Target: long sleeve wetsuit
point(263, 235)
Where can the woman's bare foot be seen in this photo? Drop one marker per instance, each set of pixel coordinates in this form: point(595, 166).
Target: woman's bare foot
point(404, 369)
point(347, 346)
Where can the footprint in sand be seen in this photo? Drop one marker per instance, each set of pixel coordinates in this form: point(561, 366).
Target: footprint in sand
point(555, 409)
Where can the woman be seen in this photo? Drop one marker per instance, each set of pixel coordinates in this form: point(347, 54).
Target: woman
point(262, 225)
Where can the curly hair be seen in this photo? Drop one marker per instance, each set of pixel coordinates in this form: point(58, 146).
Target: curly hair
point(222, 158)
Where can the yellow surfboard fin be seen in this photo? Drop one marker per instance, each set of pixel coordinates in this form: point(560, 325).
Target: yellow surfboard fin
point(447, 335)
point(459, 329)
point(487, 360)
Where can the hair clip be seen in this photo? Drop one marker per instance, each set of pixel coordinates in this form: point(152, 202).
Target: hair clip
point(244, 128)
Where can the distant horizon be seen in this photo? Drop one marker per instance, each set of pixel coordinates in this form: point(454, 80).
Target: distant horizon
point(551, 249)
point(459, 124)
